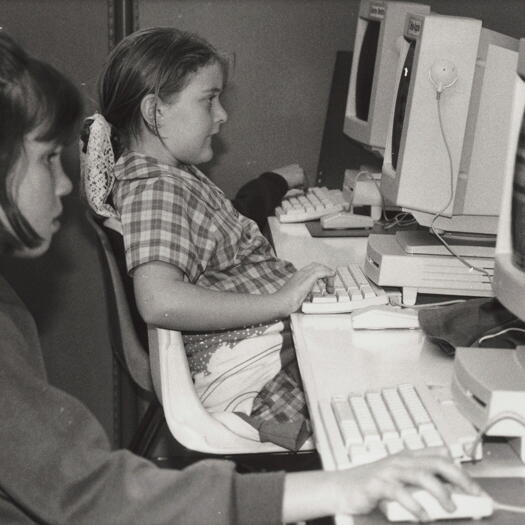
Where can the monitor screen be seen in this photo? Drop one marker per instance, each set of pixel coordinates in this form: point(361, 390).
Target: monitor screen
point(518, 204)
point(401, 102)
point(365, 70)
point(373, 74)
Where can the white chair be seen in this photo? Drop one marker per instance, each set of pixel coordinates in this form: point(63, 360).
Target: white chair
point(189, 422)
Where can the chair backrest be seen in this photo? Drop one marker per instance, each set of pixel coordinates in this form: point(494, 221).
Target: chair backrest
point(128, 332)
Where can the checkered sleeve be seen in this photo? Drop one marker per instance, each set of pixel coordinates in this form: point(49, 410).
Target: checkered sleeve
point(163, 221)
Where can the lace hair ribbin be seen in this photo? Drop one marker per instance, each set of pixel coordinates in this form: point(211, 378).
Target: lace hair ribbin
point(97, 162)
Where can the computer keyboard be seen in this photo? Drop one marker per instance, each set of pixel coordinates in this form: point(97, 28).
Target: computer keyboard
point(352, 290)
point(313, 204)
point(367, 426)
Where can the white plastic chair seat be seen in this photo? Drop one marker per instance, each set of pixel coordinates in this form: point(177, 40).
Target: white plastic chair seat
point(189, 422)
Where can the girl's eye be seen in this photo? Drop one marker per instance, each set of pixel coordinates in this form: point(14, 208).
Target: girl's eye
point(212, 98)
point(52, 156)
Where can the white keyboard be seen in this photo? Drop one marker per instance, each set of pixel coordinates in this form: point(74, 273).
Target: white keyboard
point(352, 290)
point(312, 204)
point(367, 426)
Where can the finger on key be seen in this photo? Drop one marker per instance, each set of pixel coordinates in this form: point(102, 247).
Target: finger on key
point(329, 284)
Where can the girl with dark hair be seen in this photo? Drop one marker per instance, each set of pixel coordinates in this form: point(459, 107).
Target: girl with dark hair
point(40, 112)
point(56, 465)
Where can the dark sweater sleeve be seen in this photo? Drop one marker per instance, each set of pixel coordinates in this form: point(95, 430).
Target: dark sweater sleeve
point(56, 465)
point(258, 198)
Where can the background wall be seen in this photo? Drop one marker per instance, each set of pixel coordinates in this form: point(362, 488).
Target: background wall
point(276, 100)
point(285, 52)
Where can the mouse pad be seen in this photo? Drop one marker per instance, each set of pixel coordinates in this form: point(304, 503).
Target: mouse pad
point(510, 491)
point(315, 229)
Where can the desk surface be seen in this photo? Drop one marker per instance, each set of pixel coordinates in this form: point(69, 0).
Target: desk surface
point(326, 344)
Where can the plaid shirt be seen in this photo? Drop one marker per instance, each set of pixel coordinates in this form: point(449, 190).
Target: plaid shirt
point(181, 218)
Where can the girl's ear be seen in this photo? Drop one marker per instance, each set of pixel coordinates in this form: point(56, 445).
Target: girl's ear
point(148, 108)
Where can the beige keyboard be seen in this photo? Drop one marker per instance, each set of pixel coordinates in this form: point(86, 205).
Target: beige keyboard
point(313, 204)
point(352, 290)
point(367, 426)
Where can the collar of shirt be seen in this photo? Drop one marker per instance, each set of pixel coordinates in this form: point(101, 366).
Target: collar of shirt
point(132, 165)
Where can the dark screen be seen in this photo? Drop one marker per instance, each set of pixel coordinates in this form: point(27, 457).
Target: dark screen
point(365, 70)
point(401, 102)
point(518, 203)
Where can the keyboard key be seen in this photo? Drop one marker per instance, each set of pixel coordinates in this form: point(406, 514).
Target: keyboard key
point(347, 423)
point(378, 423)
point(314, 204)
point(352, 290)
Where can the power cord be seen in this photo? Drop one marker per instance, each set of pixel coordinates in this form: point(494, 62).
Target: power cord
point(501, 332)
point(430, 305)
point(439, 213)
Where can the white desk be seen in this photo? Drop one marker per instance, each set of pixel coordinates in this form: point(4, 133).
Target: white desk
point(327, 343)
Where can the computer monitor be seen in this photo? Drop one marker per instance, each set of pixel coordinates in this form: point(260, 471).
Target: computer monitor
point(436, 163)
point(489, 383)
point(509, 273)
point(374, 62)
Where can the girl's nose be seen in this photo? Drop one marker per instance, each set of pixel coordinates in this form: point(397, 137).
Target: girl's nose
point(220, 113)
point(63, 185)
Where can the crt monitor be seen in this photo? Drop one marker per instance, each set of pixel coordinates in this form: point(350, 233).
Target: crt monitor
point(489, 383)
point(436, 165)
point(509, 276)
point(379, 26)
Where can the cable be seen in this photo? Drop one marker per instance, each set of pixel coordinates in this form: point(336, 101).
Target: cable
point(433, 305)
point(401, 219)
point(508, 508)
point(501, 332)
point(439, 213)
point(501, 416)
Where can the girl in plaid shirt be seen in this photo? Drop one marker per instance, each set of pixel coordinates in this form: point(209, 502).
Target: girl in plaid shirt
point(198, 265)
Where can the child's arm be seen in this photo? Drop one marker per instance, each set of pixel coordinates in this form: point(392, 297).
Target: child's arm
point(258, 198)
point(166, 301)
point(308, 495)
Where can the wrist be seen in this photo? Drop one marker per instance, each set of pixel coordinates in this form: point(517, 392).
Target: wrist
point(281, 305)
point(310, 495)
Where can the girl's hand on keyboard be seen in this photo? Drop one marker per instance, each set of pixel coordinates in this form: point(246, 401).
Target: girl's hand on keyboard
point(294, 292)
point(362, 488)
point(293, 174)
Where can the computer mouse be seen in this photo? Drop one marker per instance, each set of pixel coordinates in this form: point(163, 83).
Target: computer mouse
point(382, 317)
point(467, 506)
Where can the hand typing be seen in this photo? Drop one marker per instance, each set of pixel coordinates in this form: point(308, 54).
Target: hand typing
point(293, 174)
point(295, 291)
